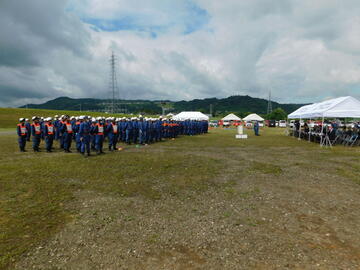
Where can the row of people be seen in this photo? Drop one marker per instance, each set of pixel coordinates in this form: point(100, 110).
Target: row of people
point(333, 131)
point(90, 133)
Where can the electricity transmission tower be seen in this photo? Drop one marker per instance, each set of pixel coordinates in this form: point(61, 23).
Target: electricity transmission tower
point(269, 107)
point(113, 105)
point(113, 83)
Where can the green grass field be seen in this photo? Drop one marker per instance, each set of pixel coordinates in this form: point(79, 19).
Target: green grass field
point(202, 202)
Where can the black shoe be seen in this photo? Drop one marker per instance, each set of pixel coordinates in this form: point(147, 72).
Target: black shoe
point(69, 151)
point(48, 151)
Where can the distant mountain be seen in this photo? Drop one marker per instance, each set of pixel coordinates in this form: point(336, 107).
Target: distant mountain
point(240, 105)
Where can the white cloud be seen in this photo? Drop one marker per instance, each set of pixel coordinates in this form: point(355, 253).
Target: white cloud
point(303, 51)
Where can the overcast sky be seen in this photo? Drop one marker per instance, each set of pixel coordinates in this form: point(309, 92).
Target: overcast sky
point(304, 51)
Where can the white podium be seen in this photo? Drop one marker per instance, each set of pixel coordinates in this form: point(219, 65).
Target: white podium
point(240, 133)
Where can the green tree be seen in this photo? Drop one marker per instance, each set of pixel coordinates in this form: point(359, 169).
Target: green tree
point(277, 114)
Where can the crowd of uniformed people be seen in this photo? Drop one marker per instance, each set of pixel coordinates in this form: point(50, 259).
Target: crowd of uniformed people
point(86, 133)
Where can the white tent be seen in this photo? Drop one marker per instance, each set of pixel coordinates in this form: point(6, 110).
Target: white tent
point(231, 117)
point(190, 115)
point(253, 117)
point(342, 107)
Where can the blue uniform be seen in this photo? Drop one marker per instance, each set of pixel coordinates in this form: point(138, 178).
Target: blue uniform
point(22, 133)
point(256, 128)
point(142, 131)
point(36, 136)
point(128, 132)
point(77, 136)
point(113, 133)
point(28, 127)
point(84, 133)
point(48, 133)
point(67, 134)
point(98, 131)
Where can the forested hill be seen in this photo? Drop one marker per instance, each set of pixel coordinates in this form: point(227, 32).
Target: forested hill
point(236, 104)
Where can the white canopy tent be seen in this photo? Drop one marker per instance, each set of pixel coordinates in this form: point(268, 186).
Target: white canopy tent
point(342, 107)
point(231, 117)
point(191, 116)
point(253, 117)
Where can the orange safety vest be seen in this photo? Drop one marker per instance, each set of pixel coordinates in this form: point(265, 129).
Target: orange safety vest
point(114, 128)
point(100, 129)
point(50, 129)
point(37, 128)
point(68, 128)
point(23, 129)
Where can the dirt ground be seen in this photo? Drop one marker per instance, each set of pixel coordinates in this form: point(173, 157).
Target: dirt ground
point(275, 207)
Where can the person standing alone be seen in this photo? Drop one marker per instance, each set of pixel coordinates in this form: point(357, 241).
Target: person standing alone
point(256, 128)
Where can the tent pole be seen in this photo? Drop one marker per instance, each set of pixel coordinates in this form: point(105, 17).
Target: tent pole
point(310, 130)
point(322, 132)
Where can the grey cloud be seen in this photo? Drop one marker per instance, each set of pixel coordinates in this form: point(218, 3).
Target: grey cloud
point(302, 50)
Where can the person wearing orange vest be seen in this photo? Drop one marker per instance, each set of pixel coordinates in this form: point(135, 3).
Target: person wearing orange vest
point(67, 131)
point(113, 134)
point(22, 132)
point(36, 133)
point(98, 132)
point(49, 133)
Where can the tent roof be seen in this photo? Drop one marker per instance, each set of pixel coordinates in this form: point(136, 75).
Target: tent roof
point(191, 115)
point(338, 107)
point(231, 117)
point(253, 117)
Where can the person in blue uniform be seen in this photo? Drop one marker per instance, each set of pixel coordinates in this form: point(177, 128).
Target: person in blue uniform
point(256, 128)
point(49, 133)
point(142, 130)
point(67, 133)
point(28, 127)
point(22, 133)
point(77, 135)
point(59, 131)
point(158, 130)
point(128, 131)
point(92, 136)
point(84, 133)
point(112, 132)
point(98, 131)
point(135, 131)
point(36, 134)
